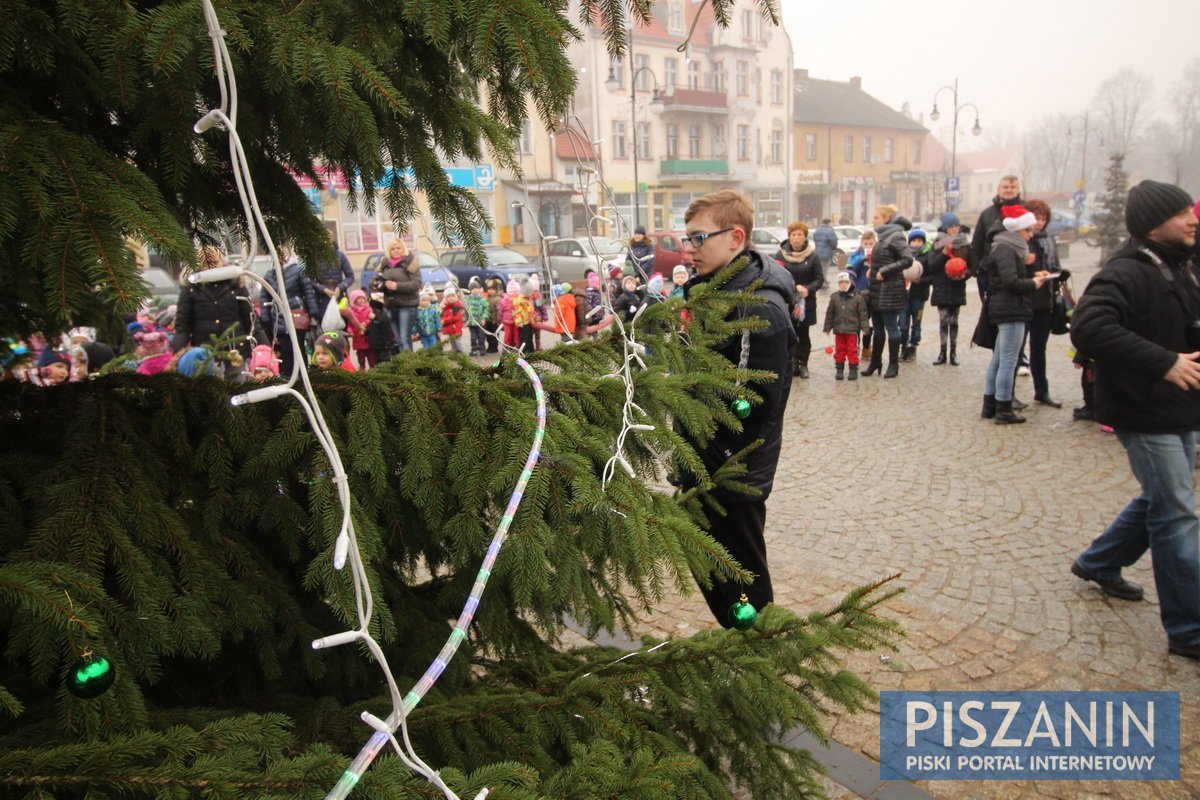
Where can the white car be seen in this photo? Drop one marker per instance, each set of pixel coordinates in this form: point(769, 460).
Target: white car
point(767, 240)
point(849, 238)
point(570, 259)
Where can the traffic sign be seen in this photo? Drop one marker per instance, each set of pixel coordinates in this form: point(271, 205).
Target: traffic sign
point(952, 185)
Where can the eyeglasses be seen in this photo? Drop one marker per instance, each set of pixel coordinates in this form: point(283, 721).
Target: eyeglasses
point(697, 240)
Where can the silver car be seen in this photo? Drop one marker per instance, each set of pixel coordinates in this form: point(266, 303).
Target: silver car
point(570, 259)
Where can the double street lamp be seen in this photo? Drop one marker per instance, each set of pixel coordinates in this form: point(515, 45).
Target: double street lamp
point(976, 129)
point(656, 107)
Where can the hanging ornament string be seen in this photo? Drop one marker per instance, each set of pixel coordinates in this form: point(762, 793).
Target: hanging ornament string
point(741, 406)
point(346, 546)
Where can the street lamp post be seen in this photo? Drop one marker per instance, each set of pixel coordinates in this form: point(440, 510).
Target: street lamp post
point(656, 104)
point(976, 129)
point(1082, 185)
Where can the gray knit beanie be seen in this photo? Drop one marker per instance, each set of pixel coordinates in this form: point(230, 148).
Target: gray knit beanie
point(1151, 204)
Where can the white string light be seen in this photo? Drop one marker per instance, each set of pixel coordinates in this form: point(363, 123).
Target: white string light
point(346, 546)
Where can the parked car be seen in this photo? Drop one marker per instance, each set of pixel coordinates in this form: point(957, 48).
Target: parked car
point(432, 271)
point(502, 263)
point(1062, 225)
point(669, 252)
point(571, 259)
point(767, 240)
point(164, 289)
point(849, 238)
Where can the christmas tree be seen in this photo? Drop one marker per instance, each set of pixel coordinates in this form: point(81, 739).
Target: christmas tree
point(1110, 221)
point(168, 556)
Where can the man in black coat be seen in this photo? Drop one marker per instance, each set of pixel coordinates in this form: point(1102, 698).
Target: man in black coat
point(1139, 320)
point(334, 277)
point(718, 227)
point(1008, 193)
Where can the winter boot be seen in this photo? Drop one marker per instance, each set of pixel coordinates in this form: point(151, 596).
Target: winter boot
point(989, 407)
point(893, 368)
point(912, 353)
point(1005, 415)
point(1018, 405)
point(954, 354)
point(803, 370)
point(941, 359)
point(874, 367)
point(853, 372)
point(839, 372)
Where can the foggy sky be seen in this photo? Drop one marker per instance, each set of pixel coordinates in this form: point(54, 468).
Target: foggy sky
point(1016, 62)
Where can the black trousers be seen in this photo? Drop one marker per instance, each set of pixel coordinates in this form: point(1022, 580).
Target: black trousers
point(740, 532)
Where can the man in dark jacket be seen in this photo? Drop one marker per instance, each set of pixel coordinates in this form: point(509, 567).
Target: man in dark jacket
point(718, 227)
point(208, 310)
point(1139, 319)
point(825, 240)
point(334, 277)
point(1008, 193)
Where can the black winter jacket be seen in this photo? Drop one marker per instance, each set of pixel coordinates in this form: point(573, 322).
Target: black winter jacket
point(1009, 291)
point(301, 293)
point(985, 229)
point(1045, 250)
point(889, 259)
point(809, 273)
point(772, 349)
point(1134, 321)
point(947, 291)
point(205, 310)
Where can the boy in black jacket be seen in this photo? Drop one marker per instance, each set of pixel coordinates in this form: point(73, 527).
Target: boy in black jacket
point(846, 317)
point(718, 236)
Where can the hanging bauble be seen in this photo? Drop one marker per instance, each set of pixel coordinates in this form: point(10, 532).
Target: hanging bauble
point(91, 676)
point(235, 358)
point(741, 408)
point(743, 614)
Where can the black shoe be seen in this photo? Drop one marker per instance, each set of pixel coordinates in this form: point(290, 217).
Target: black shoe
point(941, 359)
point(892, 371)
point(953, 357)
point(905, 353)
point(1116, 587)
point(840, 372)
point(1186, 650)
point(1005, 415)
point(1017, 405)
point(853, 372)
point(872, 368)
point(803, 373)
point(1083, 414)
point(1047, 401)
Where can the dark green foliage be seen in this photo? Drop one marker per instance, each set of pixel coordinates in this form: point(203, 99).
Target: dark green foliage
point(189, 541)
point(1110, 221)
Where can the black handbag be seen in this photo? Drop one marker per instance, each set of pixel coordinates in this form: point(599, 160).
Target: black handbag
point(985, 332)
point(1060, 316)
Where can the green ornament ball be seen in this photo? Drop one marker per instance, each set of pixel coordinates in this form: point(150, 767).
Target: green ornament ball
point(91, 676)
point(743, 615)
point(741, 408)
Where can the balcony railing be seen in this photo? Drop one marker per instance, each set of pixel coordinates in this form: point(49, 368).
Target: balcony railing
point(702, 100)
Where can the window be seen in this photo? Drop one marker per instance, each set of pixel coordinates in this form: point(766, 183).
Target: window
point(810, 146)
point(777, 147)
point(670, 70)
point(743, 142)
point(747, 24)
point(527, 137)
point(693, 74)
point(618, 138)
point(693, 141)
point(848, 149)
point(743, 78)
point(776, 86)
point(718, 140)
point(643, 144)
point(675, 16)
point(616, 68)
point(642, 70)
point(866, 149)
point(916, 159)
point(889, 150)
point(719, 76)
point(672, 140)
point(362, 231)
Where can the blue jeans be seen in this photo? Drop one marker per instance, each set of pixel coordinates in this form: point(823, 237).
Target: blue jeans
point(402, 325)
point(910, 317)
point(883, 323)
point(1162, 519)
point(1002, 370)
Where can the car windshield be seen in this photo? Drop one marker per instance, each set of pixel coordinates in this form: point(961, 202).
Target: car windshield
point(603, 246)
point(502, 256)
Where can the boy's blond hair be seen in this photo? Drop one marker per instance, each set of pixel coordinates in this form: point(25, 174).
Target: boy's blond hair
point(727, 207)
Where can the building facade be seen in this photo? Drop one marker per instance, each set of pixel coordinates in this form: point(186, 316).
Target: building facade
point(853, 152)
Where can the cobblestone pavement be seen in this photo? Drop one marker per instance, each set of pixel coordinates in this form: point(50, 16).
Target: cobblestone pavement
point(982, 521)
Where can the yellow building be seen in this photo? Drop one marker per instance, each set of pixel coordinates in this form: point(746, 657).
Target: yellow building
point(852, 152)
